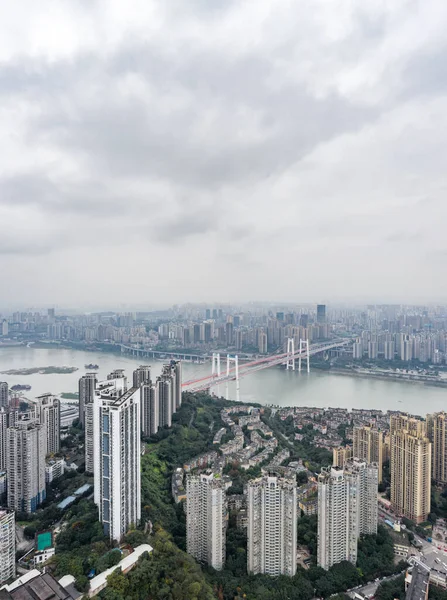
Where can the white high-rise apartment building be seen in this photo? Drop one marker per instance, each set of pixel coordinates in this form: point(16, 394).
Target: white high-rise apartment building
point(206, 512)
point(3, 428)
point(272, 524)
point(48, 412)
point(117, 460)
point(141, 375)
point(165, 400)
point(7, 545)
point(149, 409)
point(4, 395)
point(87, 385)
point(347, 508)
point(26, 447)
point(114, 386)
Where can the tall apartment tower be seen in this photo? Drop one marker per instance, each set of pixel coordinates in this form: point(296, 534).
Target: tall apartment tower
point(437, 433)
point(272, 525)
point(3, 427)
point(347, 508)
point(206, 517)
point(410, 462)
point(165, 402)
point(368, 446)
point(341, 455)
point(7, 545)
point(48, 411)
point(112, 387)
point(141, 375)
point(173, 372)
point(4, 394)
point(87, 384)
point(117, 460)
point(26, 448)
point(150, 418)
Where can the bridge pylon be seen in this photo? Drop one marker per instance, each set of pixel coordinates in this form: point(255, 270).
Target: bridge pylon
point(290, 363)
point(304, 346)
point(235, 361)
point(215, 369)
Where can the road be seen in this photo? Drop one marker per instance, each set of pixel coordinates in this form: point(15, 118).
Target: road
point(370, 588)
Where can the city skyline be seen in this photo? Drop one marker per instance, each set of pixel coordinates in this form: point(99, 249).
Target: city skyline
point(236, 142)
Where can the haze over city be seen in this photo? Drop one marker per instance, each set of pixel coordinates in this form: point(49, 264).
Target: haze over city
point(167, 152)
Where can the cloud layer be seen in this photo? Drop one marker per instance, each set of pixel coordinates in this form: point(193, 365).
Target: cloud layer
point(163, 152)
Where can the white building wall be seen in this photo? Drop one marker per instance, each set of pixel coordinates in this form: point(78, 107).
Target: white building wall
point(7, 545)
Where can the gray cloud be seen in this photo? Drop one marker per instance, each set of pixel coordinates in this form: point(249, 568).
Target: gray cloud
point(233, 139)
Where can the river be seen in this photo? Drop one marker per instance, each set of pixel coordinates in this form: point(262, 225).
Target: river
point(271, 386)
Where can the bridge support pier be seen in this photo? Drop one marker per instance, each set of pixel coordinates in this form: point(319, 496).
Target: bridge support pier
point(304, 346)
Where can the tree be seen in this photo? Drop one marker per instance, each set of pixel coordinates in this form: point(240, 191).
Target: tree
point(117, 582)
point(82, 583)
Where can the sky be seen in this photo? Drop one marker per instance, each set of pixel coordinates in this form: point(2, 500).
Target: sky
point(165, 151)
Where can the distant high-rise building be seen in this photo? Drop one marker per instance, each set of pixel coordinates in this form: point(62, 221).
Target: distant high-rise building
point(368, 446)
point(321, 313)
point(26, 448)
point(347, 508)
point(141, 375)
point(48, 410)
point(272, 526)
point(117, 461)
point(238, 338)
point(357, 349)
point(389, 350)
point(4, 394)
point(149, 409)
point(207, 314)
point(341, 455)
point(304, 320)
point(51, 314)
point(262, 345)
point(87, 384)
point(373, 350)
point(229, 332)
point(7, 545)
point(5, 328)
point(410, 465)
point(438, 437)
point(206, 511)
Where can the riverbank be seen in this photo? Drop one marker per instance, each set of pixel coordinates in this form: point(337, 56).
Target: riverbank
point(396, 377)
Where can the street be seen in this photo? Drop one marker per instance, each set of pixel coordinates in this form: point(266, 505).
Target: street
point(370, 588)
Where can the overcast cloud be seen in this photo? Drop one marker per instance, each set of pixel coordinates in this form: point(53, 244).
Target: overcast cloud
point(161, 151)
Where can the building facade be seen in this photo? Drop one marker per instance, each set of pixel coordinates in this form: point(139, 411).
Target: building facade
point(410, 464)
point(368, 445)
point(86, 387)
point(206, 519)
point(26, 447)
point(347, 508)
point(4, 395)
point(141, 375)
point(150, 418)
point(271, 526)
point(7, 545)
point(117, 461)
point(48, 409)
point(437, 425)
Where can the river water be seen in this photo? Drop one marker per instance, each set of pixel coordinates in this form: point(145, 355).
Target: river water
point(271, 386)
